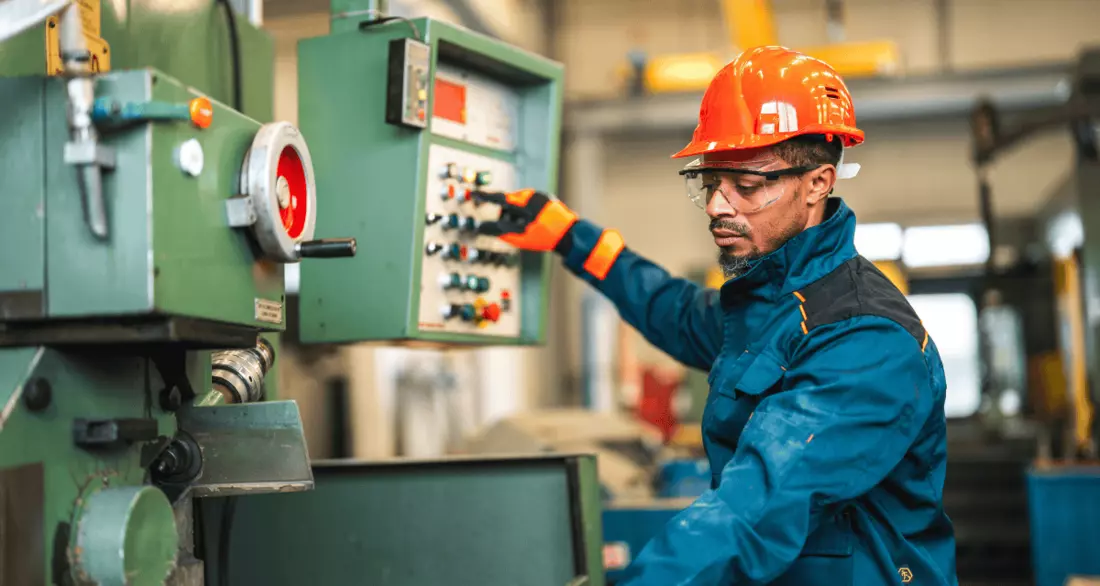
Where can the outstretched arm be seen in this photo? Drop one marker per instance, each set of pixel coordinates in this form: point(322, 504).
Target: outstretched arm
point(680, 317)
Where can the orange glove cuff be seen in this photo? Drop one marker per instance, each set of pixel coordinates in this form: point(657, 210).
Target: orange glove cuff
point(546, 231)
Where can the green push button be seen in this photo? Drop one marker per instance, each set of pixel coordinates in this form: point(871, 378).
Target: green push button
point(469, 312)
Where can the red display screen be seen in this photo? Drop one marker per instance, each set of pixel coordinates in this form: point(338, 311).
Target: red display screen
point(450, 101)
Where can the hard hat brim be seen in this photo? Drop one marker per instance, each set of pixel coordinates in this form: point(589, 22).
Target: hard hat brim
point(850, 136)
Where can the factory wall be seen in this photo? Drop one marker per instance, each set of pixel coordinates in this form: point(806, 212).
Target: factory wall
point(594, 37)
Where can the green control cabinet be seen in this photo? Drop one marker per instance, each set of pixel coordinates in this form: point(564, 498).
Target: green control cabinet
point(202, 212)
point(405, 120)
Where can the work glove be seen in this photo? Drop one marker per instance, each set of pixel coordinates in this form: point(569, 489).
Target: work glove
point(529, 220)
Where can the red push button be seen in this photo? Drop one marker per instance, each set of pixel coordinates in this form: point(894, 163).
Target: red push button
point(491, 312)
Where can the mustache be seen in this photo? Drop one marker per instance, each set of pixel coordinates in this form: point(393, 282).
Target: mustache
point(738, 229)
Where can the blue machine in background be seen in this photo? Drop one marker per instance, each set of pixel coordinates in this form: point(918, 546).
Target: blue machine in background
point(1065, 522)
point(629, 525)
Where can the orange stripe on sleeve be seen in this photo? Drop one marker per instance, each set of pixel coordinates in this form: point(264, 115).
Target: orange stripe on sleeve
point(604, 254)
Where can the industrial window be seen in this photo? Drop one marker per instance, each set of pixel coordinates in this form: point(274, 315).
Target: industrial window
point(952, 321)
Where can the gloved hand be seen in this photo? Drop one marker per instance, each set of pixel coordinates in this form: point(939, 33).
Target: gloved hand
point(529, 219)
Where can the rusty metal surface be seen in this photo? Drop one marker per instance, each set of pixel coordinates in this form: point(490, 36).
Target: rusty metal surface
point(22, 538)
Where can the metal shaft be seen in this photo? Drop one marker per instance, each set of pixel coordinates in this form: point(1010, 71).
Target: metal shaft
point(237, 376)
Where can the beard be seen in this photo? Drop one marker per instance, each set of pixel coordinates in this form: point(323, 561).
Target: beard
point(734, 265)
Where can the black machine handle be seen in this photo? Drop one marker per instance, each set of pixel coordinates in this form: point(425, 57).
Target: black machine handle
point(327, 248)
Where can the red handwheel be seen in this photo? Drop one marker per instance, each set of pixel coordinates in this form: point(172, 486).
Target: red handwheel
point(278, 180)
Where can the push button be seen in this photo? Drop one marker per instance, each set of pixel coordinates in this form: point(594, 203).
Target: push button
point(491, 312)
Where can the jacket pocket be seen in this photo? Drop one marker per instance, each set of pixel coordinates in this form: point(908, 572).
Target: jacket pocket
point(827, 557)
point(757, 375)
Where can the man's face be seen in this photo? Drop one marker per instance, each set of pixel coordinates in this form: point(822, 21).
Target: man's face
point(752, 216)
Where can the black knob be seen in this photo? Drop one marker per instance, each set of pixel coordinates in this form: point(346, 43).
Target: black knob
point(327, 248)
point(37, 394)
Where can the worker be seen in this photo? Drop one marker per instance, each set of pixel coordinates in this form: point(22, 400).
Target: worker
point(825, 424)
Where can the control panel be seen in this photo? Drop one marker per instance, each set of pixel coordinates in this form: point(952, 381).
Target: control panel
point(469, 282)
point(474, 108)
point(424, 273)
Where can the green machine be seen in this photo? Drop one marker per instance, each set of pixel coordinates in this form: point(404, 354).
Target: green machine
point(145, 230)
point(407, 120)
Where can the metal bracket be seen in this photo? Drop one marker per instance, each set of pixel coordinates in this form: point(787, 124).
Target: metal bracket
point(240, 211)
point(89, 153)
point(251, 448)
point(172, 367)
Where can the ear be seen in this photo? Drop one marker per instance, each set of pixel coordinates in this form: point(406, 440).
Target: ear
point(822, 181)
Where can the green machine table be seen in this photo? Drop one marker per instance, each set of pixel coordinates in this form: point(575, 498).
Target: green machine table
point(485, 521)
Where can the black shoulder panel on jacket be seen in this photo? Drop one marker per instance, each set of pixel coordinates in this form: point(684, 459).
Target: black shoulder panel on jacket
point(857, 288)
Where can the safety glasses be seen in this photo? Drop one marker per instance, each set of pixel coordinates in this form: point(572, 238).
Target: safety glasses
point(746, 190)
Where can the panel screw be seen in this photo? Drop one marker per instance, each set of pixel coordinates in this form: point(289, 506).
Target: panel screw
point(37, 394)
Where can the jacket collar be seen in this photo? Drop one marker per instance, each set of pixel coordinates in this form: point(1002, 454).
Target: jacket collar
point(807, 257)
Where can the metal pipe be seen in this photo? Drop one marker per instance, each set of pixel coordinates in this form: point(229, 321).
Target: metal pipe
point(83, 150)
point(835, 24)
point(911, 98)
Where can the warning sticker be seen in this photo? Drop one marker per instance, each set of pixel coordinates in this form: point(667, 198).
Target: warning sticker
point(269, 311)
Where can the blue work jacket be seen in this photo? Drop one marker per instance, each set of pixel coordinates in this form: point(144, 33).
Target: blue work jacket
point(824, 425)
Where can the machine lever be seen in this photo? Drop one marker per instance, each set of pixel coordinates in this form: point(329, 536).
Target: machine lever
point(112, 433)
point(327, 248)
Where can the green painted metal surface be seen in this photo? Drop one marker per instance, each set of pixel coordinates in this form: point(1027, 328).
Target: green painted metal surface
point(490, 522)
point(22, 242)
point(249, 448)
point(126, 536)
point(186, 40)
point(370, 177)
point(171, 251)
point(82, 386)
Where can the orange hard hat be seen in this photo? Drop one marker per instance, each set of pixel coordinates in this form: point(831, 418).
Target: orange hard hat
point(770, 94)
